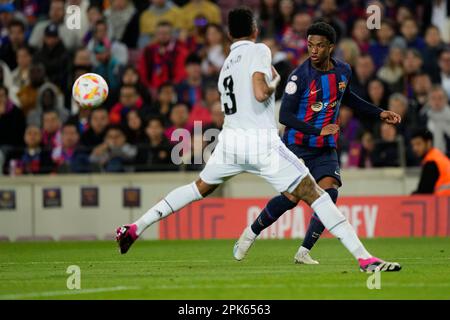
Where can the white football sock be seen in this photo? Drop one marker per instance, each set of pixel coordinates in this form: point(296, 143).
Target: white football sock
point(338, 226)
point(174, 201)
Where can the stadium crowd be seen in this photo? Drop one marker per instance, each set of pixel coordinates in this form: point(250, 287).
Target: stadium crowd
point(161, 59)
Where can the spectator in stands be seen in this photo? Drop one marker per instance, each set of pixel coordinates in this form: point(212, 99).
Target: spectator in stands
point(378, 92)
point(98, 123)
point(217, 117)
point(16, 39)
point(349, 11)
point(114, 154)
point(294, 41)
point(21, 75)
point(329, 14)
point(49, 99)
point(364, 71)
point(56, 16)
point(410, 35)
point(379, 49)
point(155, 153)
point(349, 128)
point(399, 104)
point(157, 11)
point(130, 77)
point(434, 46)
point(444, 75)
point(134, 127)
point(360, 153)
point(108, 67)
point(421, 87)
point(216, 50)
point(8, 14)
point(166, 99)
point(35, 159)
point(202, 9)
point(118, 50)
point(12, 122)
point(81, 119)
point(269, 12)
point(285, 18)
point(189, 91)
point(51, 130)
point(28, 94)
point(412, 65)
point(437, 12)
point(179, 117)
point(348, 51)
point(392, 70)
point(129, 100)
point(69, 157)
point(81, 64)
point(361, 35)
point(94, 14)
point(202, 110)
point(437, 114)
point(435, 176)
point(386, 152)
point(123, 19)
point(53, 55)
point(163, 60)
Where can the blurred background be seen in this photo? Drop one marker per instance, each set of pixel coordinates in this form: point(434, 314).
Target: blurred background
point(161, 60)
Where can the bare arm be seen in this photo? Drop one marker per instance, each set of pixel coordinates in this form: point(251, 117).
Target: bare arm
point(263, 90)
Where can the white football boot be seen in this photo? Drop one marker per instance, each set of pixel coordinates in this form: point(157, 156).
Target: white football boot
point(302, 257)
point(244, 243)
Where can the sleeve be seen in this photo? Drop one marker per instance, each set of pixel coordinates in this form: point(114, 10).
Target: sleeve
point(289, 107)
point(352, 100)
point(261, 60)
point(428, 178)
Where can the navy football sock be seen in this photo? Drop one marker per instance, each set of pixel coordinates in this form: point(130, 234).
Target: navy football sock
point(316, 227)
point(273, 210)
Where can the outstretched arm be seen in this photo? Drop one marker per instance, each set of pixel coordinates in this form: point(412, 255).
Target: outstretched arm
point(357, 103)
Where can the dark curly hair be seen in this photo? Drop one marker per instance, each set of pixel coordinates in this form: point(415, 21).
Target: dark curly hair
point(322, 29)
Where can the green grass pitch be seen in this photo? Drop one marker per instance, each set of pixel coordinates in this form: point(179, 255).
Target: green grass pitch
point(205, 269)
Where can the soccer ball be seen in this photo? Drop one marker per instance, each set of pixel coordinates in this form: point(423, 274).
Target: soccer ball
point(90, 90)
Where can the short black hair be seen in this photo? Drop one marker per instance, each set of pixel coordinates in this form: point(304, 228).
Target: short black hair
point(423, 133)
point(241, 22)
point(71, 123)
point(322, 29)
point(157, 118)
point(17, 23)
point(193, 58)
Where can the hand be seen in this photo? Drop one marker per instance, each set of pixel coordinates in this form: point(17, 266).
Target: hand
point(276, 78)
point(390, 117)
point(100, 149)
point(329, 129)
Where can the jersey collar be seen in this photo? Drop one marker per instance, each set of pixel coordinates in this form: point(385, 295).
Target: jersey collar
point(240, 43)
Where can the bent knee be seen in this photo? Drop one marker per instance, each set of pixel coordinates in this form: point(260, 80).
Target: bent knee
point(204, 188)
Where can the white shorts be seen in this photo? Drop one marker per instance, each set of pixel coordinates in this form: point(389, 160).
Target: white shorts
point(278, 166)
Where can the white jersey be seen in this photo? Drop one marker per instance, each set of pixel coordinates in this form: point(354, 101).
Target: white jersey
point(242, 110)
point(249, 141)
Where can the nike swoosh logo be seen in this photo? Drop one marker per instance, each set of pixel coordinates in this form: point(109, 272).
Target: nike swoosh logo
point(312, 92)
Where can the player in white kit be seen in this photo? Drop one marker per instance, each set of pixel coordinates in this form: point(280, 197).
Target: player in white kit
point(249, 142)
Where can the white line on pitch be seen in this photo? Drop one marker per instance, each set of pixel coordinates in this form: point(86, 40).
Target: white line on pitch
point(63, 293)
